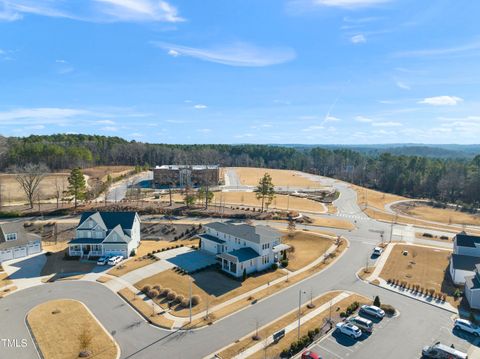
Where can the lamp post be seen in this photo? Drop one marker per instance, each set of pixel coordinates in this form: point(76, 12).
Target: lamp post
point(300, 292)
point(190, 300)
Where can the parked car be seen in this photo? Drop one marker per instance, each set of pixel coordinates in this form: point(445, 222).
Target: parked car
point(115, 260)
point(442, 351)
point(349, 329)
point(372, 310)
point(377, 251)
point(103, 260)
point(310, 355)
point(363, 324)
point(467, 326)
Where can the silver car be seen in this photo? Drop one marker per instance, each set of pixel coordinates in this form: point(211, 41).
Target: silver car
point(365, 325)
point(372, 310)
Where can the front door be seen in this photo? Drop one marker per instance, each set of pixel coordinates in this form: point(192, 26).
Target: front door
point(86, 249)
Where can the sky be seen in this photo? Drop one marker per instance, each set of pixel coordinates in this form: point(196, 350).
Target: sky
point(242, 71)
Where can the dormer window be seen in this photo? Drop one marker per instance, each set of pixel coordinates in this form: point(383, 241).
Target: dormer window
point(11, 237)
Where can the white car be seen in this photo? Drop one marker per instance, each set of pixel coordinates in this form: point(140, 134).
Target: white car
point(467, 326)
point(373, 311)
point(115, 260)
point(349, 329)
point(377, 251)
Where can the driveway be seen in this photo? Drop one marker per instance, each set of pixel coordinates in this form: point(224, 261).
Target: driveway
point(25, 272)
point(187, 258)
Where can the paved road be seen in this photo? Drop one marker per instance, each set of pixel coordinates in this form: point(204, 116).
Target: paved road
point(418, 324)
point(119, 190)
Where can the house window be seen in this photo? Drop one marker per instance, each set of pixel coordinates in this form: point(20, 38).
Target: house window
point(76, 248)
point(11, 237)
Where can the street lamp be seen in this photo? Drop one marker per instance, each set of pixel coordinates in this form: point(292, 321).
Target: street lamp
point(300, 292)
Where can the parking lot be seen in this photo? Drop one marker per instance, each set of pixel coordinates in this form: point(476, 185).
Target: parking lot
point(381, 344)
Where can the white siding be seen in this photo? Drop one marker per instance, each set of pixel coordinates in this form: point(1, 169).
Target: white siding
point(209, 246)
point(473, 298)
point(468, 251)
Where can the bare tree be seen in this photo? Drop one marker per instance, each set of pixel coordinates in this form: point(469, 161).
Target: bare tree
point(29, 177)
point(84, 340)
point(59, 188)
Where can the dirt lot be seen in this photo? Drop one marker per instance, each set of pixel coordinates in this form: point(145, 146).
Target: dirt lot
point(425, 266)
point(12, 192)
point(375, 199)
point(333, 223)
point(68, 321)
point(250, 177)
point(307, 247)
point(168, 232)
point(279, 202)
point(101, 172)
point(429, 213)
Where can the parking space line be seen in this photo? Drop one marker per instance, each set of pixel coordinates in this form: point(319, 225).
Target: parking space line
point(334, 354)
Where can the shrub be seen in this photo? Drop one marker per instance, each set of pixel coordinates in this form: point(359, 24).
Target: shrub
point(457, 293)
point(343, 314)
point(445, 238)
point(284, 263)
point(428, 235)
point(431, 291)
point(146, 288)
point(274, 266)
point(157, 287)
point(389, 310)
point(171, 295)
point(196, 300)
point(165, 292)
point(180, 298)
point(376, 301)
point(185, 303)
point(152, 293)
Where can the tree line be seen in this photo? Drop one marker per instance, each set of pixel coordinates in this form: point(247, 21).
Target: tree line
point(445, 180)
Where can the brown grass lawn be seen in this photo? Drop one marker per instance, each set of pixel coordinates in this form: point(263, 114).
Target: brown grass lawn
point(447, 216)
point(103, 279)
point(12, 192)
point(4, 292)
point(279, 202)
point(58, 325)
point(4, 281)
point(101, 172)
point(374, 198)
point(425, 266)
point(273, 350)
point(146, 246)
point(308, 246)
point(210, 285)
point(365, 272)
point(251, 177)
point(333, 223)
point(145, 309)
point(56, 264)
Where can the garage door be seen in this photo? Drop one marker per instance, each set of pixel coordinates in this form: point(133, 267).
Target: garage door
point(19, 252)
point(6, 255)
point(33, 248)
point(116, 252)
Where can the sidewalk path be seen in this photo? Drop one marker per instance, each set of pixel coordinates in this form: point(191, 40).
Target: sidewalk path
point(381, 262)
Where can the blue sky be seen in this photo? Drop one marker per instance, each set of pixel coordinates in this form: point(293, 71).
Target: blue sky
point(249, 71)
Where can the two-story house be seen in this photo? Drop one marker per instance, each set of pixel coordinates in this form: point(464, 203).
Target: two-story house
point(106, 234)
point(241, 247)
point(472, 289)
point(465, 257)
point(15, 242)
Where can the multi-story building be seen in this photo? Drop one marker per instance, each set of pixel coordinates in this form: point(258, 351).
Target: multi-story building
point(15, 242)
point(185, 175)
point(465, 257)
point(242, 248)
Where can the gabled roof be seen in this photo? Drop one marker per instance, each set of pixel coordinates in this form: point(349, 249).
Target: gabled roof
point(111, 219)
point(463, 262)
point(211, 238)
point(255, 234)
point(242, 254)
point(23, 237)
point(118, 230)
point(472, 282)
point(466, 240)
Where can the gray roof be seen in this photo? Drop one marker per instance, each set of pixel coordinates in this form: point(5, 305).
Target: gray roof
point(192, 167)
point(86, 241)
point(466, 240)
point(255, 234)
point(23, 237)
point(211, 238)
point(112, 219)
point(243, 254)
point(472, 282)
point(463, 262)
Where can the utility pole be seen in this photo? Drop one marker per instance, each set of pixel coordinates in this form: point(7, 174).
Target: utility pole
point(299, 311)
point(190, 300)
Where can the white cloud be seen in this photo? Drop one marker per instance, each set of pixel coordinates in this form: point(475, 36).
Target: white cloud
point(236, 54)
point(358, 39)
point(93, 10)
point(348, 3)
point(35, 127)
point(105, 122)
point(441, 100)
point(440, 51)
point(363, 119)
point(387, 124)
point(44, 114)
point(402, 85)
point(331, 118)
point(204, 130)
point(110, 128)
point(200, 106)
point(173, 53)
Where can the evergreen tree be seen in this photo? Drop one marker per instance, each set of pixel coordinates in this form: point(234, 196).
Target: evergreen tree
point(76, 185)
point(265, 190)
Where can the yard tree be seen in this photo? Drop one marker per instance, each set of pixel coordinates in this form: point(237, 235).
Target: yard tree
point(29, 177)
point(291, 226)
point(76, 185)
point(188, 196)
point(376, 301)
point(84, 340)
point(205, 196)
point(265, 190)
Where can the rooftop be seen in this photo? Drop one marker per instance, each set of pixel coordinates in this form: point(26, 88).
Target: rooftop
point(244, 254)
point(466, 240)
point(255, 234)
point(463, 262)
point(192, 167)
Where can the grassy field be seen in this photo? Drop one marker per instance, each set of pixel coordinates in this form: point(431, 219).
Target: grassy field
point(425, 266)
point(307, 247)
point(59, 325)
point(447, 216)
point(279, 202)
point(101, 172)
point(333, 223)
point(374, 199)
point(250, 177)
point(12, 191)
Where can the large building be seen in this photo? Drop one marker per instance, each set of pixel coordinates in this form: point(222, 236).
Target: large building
point(106, 234)
point(241, 247)
point(15, 242)
point(465, 257)
point(185, 175)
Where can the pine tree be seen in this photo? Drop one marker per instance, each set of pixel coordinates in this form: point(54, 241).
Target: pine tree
point(76, 185)
point(265, 190)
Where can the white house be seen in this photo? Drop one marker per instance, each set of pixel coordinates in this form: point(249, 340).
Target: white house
point(15, 242)
point(106, 233)
point(465, 257)
point(241, 247)
point(472, 289)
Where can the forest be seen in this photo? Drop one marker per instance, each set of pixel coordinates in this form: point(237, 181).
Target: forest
point(447, 180)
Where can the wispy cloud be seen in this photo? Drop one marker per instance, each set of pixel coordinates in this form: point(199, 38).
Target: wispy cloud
point(236, 54)
point(200, 106)
point(347, 4)
point(441, 101)
point(93, 10)
point(48, 115)
point(358, 39)
point(475, 45)
point(386, 124)
point(363, 119)
point(402, 85)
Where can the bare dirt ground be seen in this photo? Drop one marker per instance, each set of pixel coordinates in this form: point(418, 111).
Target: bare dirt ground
point(12, 192)
point(444, 215)
point(250, 177)
point(101, 172)
point(374, 199)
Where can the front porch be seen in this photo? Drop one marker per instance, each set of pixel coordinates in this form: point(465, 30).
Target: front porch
point(85, 250)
